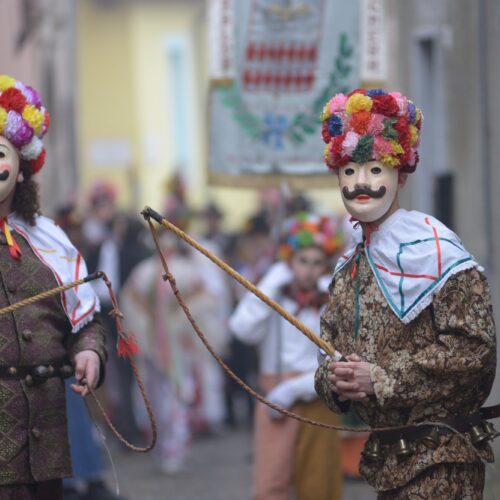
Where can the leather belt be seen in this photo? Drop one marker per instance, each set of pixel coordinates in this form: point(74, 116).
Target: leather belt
point(461, 424)
point(490, 412)
point(37, 373)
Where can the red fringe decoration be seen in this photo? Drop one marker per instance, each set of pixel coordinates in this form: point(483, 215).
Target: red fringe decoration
point(127, 347)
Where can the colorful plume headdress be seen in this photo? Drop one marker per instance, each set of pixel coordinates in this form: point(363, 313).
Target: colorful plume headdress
point(23, 120)
point(305, 230)
point(367, 125)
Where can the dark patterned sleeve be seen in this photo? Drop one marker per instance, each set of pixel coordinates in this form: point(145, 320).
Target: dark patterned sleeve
point(321, 382)
point(459, 364)
point(90, 337)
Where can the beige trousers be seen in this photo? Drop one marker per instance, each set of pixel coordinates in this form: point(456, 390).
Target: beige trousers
point(295, 460)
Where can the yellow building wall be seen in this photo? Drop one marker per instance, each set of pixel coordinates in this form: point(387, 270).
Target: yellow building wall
point(124, 95)
point(104, 107)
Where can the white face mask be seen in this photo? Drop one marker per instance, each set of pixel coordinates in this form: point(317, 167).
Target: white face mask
point(10, 174)
point(368, 189)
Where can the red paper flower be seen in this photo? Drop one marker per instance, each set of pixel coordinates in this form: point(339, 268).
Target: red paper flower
point(37, 164)
point(46, 123)
point(356, 91)
point(13, 100)
point(324, 132)
point(336, 151)
point(385, 105)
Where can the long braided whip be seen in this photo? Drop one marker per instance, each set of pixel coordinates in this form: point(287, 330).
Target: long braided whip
point(117, 314)
point(49, 293)
point(170, 278)
point(148, 213)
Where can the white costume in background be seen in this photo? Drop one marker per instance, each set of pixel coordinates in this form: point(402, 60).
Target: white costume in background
point(284, 464)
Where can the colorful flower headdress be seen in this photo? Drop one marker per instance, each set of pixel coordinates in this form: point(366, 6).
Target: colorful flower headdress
point(367, 125)
point(23, 120)
point(305, 230)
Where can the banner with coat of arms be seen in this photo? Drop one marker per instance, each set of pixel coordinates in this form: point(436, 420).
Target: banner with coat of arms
point(274, 64)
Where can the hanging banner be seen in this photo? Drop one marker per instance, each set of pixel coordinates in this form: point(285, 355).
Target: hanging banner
point(220, 14)
point(290, 57)
point(373, 42)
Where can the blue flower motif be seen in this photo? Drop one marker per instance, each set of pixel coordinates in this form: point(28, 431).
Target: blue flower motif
point(374, 92)
point(412, 113)
point(334, 125)
point(275, 127)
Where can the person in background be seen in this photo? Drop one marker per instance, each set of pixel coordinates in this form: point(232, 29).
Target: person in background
point(169, 357)
point(292, 459)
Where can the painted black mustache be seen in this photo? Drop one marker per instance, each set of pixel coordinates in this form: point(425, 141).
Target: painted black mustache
point(4, 175)
point(363, 190)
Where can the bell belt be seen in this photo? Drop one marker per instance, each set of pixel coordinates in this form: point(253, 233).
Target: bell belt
point(39, 372)
point(461, 424)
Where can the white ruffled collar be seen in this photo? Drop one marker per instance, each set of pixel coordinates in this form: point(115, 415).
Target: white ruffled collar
point(411, 255)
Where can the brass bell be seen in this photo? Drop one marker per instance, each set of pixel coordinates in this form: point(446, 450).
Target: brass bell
point(66, 371)
point(403, 449)
point(28, 380)
point(490, 430)
point(373, 451)
point(40, 371)
point(478, 436)
point(432, 439)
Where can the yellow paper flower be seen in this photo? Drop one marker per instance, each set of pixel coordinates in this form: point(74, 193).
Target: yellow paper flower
point(413, 134)
point(326, 152)
point(390, 161)
point(325, 114)
point(396, 147)
point(6, 82)
point(358, 102)
point(3, 120)
point(34, 117)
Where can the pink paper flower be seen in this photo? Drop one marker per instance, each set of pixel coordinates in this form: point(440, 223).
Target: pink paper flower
point(337, 103)
point(376, 124)
point(350, 143)
point(381, 147)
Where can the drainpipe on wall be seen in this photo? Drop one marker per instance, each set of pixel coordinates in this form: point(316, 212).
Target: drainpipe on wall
point(485, 144)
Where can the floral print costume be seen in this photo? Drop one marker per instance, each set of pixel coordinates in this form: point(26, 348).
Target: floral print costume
point(438, 366)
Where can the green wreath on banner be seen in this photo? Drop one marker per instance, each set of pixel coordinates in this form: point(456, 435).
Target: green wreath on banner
point(302, 124)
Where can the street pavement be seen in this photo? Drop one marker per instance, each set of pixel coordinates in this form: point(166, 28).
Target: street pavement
point(219, 468)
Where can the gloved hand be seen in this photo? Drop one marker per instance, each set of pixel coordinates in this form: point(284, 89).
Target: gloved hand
point(287, 393)
point(278, 275)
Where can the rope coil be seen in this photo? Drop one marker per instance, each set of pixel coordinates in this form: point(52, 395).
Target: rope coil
point(117, 314)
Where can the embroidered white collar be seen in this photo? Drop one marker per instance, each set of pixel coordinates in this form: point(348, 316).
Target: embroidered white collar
point(52, 247)
point(411, 255)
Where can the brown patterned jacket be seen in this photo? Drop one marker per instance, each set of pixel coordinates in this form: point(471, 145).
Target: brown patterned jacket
point(440, 365)
point(33, 435)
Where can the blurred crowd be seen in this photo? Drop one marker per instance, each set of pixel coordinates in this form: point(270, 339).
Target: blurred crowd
point(190, 394)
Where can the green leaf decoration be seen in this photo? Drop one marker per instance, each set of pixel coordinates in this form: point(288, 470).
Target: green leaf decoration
point(363, 151)
point(389, 131)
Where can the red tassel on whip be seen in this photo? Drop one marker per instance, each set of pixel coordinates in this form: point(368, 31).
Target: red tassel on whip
point(127, 346)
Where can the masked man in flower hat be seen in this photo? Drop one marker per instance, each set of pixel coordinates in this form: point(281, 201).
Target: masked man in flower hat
point(410, 309)
point(43, 343)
